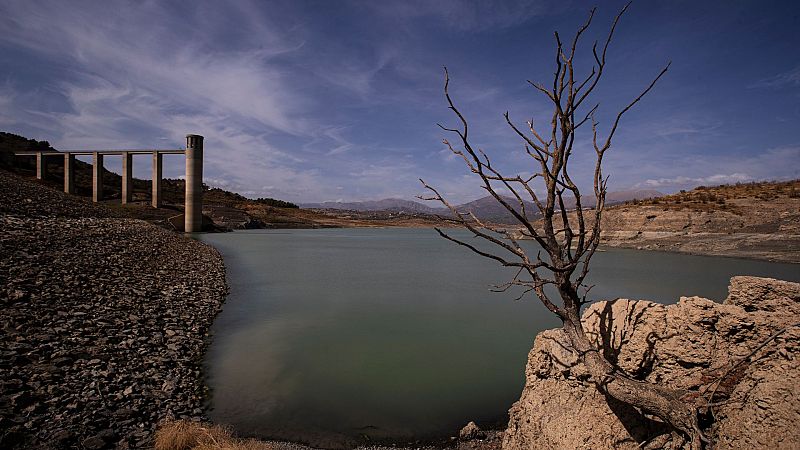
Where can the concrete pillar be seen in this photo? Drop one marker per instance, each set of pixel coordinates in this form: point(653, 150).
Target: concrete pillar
point(69, 173)
point(97, 176)
point(193, 211)
point(157, 166)
point(39, 166)
point(127, 178)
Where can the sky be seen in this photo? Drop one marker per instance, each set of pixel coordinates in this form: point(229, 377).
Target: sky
point(312, 101)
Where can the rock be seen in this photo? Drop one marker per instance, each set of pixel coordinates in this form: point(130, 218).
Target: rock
point(688, 346)
point(107, 435)
point(17, 295)
point(763, 294)
point(62, 438)
point(94, 443)
point(471, 431)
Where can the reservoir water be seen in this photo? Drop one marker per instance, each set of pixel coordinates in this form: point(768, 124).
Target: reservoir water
point(343, 336)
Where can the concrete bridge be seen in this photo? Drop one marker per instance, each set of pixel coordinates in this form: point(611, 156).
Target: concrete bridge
point(193, 206)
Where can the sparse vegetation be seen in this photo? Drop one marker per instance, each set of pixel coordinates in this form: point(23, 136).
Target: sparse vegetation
point(226, 198)
point(704, 198)
point(186, 435)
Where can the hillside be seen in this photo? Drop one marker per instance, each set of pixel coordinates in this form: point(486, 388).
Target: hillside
point(755, 220)
point(751, 220)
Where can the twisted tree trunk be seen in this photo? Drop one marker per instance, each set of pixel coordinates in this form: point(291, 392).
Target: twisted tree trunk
point(671, 405)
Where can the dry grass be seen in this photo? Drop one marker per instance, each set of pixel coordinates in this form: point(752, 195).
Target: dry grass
point(186, 435)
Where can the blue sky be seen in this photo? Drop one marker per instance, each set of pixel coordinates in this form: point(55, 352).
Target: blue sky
point(326, 101)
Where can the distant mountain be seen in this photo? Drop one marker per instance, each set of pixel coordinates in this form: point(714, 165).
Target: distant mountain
point(489, 209)
point(486, 208)
point(387, 204)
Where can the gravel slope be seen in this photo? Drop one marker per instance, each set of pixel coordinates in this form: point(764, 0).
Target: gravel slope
point(103, 322)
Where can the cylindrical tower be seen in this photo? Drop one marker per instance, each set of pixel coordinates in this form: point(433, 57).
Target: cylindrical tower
point(193, 211)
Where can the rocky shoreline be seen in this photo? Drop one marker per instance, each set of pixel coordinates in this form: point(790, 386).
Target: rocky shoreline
point(104, 322)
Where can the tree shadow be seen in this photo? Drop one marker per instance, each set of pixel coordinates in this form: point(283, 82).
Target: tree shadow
point(611, 335)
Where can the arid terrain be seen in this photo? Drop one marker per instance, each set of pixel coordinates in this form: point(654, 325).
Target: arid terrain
point(751, 220)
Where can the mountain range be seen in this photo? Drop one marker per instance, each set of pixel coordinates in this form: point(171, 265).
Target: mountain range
point(486, 208)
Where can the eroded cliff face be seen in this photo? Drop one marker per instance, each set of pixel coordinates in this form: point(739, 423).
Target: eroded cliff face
point(687, 345)
point(767, 230)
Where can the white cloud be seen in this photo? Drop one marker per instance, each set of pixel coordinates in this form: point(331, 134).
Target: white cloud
point(777, 163)
point(790, 78)
point(688, 181)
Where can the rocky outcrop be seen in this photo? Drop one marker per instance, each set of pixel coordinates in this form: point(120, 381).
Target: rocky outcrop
point(688, 345)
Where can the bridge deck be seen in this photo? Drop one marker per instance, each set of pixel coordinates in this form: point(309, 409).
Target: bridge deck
point(102, 152)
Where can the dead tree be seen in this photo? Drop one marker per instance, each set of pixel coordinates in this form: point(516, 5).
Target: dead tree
point(568, 239)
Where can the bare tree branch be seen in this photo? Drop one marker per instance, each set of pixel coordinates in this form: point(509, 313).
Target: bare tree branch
point(568, 237)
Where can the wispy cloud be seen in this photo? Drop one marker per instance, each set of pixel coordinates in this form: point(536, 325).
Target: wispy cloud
point(790, 78)
point(772, 164)
point(686, 181)
point(323, 101)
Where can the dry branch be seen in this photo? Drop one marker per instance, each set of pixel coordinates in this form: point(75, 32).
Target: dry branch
point(570, 245)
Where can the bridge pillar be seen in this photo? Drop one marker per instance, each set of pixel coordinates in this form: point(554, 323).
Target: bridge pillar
point(193, 211)
point(127, 178)
point(156, 186)
point(39, 166)
point(69, 173)
point(97, 176)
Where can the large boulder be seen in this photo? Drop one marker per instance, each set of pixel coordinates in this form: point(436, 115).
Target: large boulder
point(688, 345)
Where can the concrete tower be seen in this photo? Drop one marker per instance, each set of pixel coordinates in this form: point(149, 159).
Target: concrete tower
point(193, 213)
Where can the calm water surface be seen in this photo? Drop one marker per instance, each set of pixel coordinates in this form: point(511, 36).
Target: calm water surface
point(333, 337)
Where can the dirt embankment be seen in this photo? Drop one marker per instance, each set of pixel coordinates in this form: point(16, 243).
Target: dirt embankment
point(104, 322)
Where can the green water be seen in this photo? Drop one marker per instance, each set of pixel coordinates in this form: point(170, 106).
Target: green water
point(337, 337)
